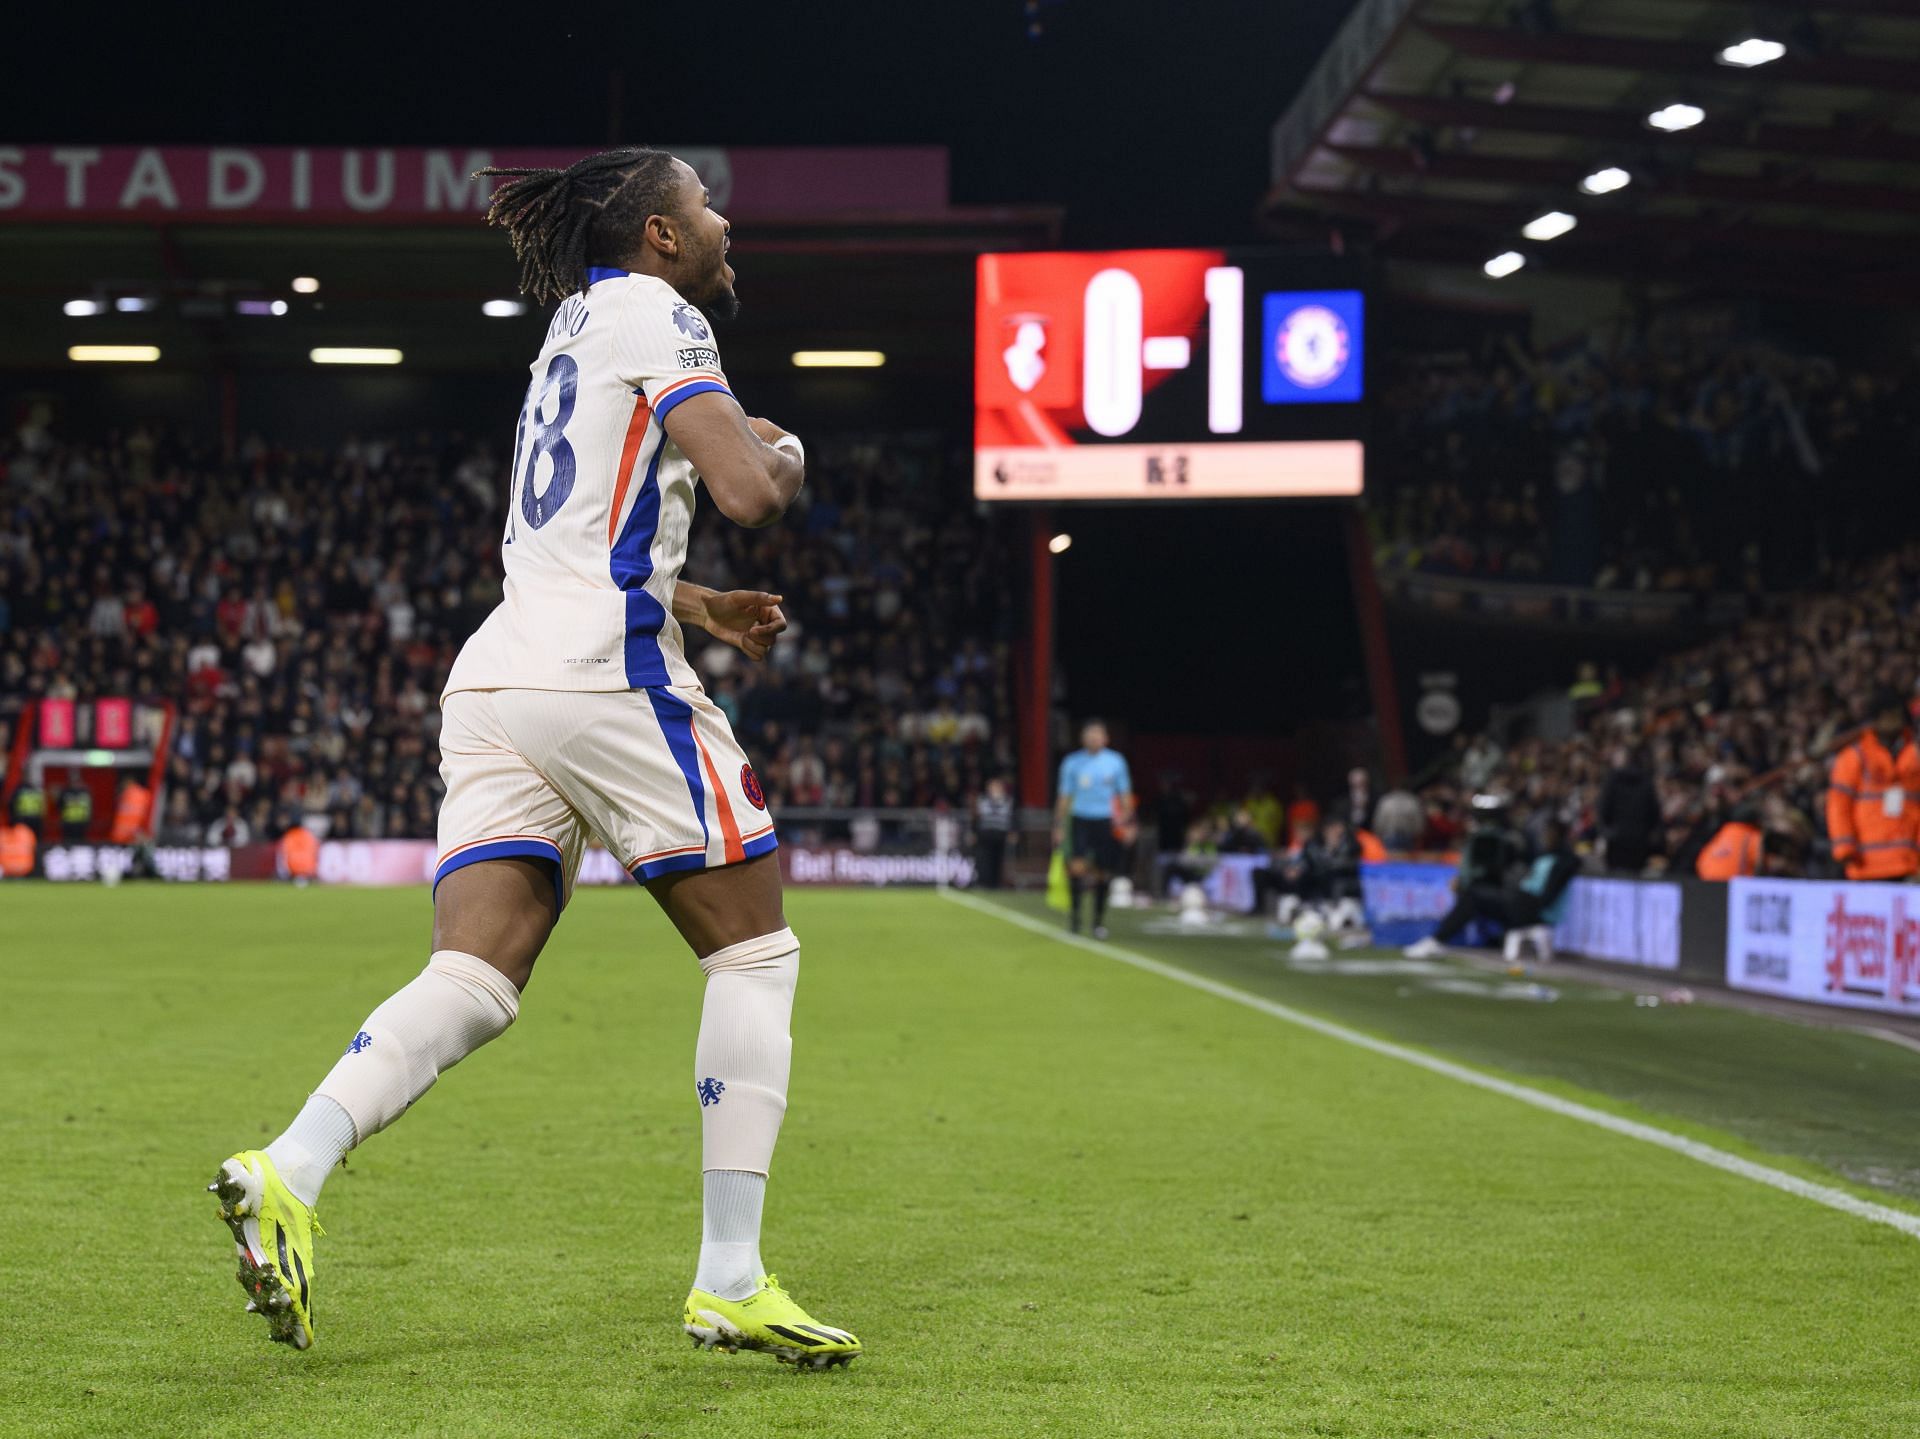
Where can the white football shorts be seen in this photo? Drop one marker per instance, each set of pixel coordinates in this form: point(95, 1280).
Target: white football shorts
point(654, 774)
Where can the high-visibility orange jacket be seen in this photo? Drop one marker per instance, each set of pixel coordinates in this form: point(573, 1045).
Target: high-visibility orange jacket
point(1372, 848)
point(17, 844)
point(1735, 850)
point(1873, 808)
point(130, 813)
point(301, 850)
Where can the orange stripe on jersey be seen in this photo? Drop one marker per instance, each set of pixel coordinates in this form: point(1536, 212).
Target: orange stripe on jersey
point(729, 831)
point(629, 456)
point(706, 376)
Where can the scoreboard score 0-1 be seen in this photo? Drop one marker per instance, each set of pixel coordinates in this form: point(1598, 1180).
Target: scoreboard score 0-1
point(1164, 375)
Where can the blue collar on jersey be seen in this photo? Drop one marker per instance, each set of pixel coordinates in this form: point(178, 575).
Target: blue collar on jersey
point(597, 273)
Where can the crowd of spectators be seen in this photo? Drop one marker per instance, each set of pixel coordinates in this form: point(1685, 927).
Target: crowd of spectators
point(301, 607)
point(1686, 459)
point(1745, 727)
point(1739, 736)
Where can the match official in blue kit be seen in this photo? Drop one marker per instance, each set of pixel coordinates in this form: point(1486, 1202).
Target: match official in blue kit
point(1095, 803)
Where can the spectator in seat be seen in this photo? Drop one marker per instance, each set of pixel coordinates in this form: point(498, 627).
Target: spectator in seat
point(1269, 815)
point(1241, 836)
point(1326, 869)
point(229, 830)
point(1536, 899)
point(1398, 820)
point(180, 827)
point(1872, 791)
point(1196, 858)
point(1629, 812)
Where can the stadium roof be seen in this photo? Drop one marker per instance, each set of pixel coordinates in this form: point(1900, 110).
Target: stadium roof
point(1441, 128)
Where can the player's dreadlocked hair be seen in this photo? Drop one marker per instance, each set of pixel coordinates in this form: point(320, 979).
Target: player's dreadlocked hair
point(562, 221)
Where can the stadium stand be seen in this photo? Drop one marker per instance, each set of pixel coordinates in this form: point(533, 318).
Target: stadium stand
point(1743, 728)
point(1685, 459)
point(302, 608)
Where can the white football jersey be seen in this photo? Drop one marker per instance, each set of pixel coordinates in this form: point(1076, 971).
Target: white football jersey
point(600, 499)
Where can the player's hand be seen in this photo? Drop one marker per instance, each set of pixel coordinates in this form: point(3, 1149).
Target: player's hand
point(749, 620)
point(766, 429)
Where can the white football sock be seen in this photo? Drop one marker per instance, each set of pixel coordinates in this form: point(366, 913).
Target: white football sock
point(742, 1058)
point(305, 1155)
point(730, 1232)
point(740, 1076)
point(451, 1008)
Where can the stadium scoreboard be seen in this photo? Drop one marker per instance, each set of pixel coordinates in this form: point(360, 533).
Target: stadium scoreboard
point(1164, 375)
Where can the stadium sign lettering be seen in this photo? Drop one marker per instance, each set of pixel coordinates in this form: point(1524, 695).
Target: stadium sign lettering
point(1829, 942)
point(846, 866)
point(256, 184)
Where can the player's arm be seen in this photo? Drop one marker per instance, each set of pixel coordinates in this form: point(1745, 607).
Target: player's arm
point(749, 620)
point(751, 476)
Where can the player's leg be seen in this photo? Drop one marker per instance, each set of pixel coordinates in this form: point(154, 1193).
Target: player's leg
point(1105, 863)
point(508, 847)
point(1079, 869)
point(732, 919)
point(490, 922)
point(658, 776)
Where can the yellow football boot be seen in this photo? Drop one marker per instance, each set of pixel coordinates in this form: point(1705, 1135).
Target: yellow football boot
point(768, 1322)
point(274, 1233)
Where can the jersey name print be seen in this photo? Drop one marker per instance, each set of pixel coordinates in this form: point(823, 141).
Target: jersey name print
point(600, 499)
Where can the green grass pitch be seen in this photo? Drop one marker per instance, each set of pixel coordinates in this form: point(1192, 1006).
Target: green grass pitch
point(1055, 1195)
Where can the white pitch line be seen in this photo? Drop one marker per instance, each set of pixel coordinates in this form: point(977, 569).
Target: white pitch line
point(1826, 1194)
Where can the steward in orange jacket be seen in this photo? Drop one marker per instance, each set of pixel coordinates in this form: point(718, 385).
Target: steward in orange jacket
point(1873, 799)
point(1733, 851)
point(300, 848)
point(17, 845)
point(131, 812)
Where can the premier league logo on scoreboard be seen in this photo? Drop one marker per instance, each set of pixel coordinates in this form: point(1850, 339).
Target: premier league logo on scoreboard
point(1312, 350)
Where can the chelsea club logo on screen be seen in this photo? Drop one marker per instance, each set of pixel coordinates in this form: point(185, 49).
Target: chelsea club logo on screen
point(1311, 346)
point(690, 322)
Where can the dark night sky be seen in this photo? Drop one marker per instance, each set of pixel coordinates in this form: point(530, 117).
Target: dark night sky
point(1148, 120)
